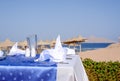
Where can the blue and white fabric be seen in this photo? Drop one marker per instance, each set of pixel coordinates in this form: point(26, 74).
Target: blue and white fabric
point(20, 68)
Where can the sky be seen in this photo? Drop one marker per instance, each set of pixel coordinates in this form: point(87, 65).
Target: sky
point(67, 18)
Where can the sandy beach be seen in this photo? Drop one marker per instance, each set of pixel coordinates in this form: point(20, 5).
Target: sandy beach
point(111, 53)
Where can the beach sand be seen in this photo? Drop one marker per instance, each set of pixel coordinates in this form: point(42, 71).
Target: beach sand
point(111, 53)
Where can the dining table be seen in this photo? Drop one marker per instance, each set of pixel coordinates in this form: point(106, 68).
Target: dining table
point(21, 68)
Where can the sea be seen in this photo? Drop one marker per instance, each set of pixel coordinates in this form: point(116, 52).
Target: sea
point(89, 46)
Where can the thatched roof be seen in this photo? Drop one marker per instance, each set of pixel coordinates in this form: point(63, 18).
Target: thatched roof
point(41, 42)
point(22, 43)
point(6, 43)
point(75, 40)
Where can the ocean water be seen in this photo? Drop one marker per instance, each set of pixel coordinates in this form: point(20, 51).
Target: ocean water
point(89, 46)
point(92, 46)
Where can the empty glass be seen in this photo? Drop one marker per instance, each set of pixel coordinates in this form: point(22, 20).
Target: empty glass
point(32, 46)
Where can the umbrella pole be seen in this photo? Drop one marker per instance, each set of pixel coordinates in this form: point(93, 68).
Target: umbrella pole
point(69, 46)
point(74, 46)
point(80, 47)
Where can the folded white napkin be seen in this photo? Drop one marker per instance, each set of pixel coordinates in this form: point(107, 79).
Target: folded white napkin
point(27, 52)
point(33, 52)
point(15, 50)
point(58, 54)
point(69, 51)
point(1, 53)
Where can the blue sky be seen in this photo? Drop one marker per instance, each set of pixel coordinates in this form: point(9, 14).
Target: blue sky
point(69, 18)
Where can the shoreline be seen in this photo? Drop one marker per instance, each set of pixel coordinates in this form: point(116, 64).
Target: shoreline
point(110, 53)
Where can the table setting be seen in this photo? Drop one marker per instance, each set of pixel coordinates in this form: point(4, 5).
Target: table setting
point(50, 65)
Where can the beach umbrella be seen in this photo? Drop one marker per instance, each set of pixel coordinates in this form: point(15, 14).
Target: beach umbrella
point(41, 42)
point(22, 43)
point(47, 42)
point(6, 43)
point(75, 41)
point(52, 43)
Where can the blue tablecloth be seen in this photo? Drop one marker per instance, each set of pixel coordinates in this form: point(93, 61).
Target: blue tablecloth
point(20, 68)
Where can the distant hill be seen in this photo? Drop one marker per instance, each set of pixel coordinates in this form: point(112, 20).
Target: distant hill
point(94, 39)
